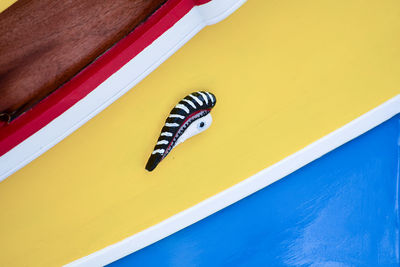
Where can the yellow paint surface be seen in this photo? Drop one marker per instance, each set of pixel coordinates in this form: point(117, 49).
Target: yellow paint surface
point(6, 3)
point(285, 73)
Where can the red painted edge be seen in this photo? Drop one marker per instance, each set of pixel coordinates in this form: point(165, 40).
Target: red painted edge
point(88, 79)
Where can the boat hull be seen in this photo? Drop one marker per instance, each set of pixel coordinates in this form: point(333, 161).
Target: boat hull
point(340, 210)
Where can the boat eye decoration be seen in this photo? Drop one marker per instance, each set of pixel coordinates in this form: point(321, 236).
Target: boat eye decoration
point(188, 118)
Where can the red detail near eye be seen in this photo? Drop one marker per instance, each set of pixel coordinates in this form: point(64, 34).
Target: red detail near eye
point(188, 118)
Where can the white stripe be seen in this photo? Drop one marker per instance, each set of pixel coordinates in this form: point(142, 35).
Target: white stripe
point(245, 188)
point(160, 151)
point(176, 116)
point(210, 95)
point(189, 102)
point(117, 84)
point(197, 100)
point(205, 97)
point(171, 124)
point(166, 134)
point(162, 142)
point(183, 107)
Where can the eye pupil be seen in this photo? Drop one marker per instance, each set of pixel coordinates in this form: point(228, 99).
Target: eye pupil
point(201, 124)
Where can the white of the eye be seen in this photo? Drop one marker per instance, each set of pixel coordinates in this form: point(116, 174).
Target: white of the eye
point(201, 125)
point(194, 128)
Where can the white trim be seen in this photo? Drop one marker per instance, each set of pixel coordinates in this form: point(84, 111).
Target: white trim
point(116, 85)
point(243, 189)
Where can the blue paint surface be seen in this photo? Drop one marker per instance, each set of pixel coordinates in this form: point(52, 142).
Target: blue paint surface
point(340, 210)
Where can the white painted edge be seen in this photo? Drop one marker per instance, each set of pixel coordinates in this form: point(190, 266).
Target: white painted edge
point(116, 85)
point(243, 189)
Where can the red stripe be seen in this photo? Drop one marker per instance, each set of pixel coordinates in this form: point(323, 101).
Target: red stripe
point(188, 118)
point(88, 79)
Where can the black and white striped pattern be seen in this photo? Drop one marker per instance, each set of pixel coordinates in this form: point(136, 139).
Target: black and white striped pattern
point(189, 109)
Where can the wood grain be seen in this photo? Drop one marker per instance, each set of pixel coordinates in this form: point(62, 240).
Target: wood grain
point(44, 43)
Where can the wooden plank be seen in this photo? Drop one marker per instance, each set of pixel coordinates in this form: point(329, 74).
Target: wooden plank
point(44, 43)
point(285, 73)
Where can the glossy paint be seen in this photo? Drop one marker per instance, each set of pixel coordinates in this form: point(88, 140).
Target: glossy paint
point(286, 73)
point(340, 210)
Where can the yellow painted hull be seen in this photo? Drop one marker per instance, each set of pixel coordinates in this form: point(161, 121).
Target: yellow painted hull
point(285, 74)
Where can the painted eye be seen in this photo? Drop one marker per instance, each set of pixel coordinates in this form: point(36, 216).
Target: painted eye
point(189, 117)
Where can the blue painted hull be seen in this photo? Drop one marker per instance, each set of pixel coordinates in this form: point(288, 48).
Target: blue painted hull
point(340, 210)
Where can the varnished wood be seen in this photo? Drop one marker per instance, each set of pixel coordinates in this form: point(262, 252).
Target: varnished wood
point(44, 43)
